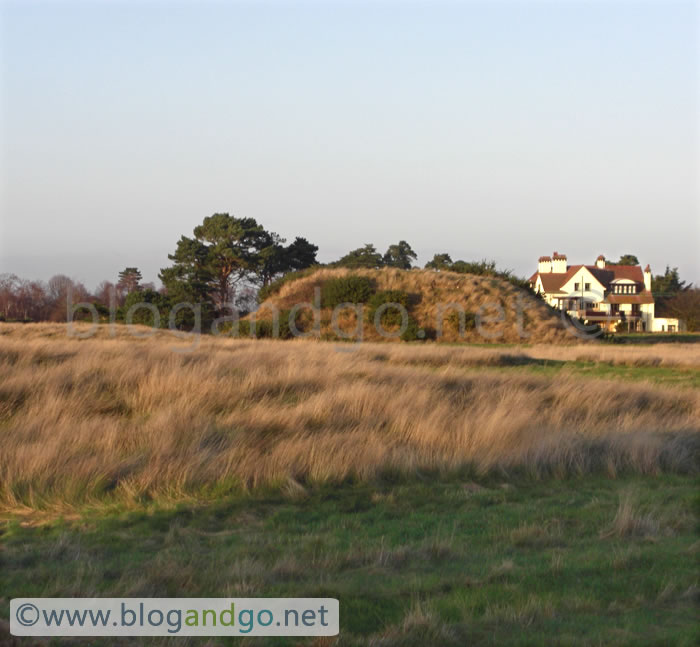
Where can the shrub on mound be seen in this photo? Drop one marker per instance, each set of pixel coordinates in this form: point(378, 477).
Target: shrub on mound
point(346, 289)
point(265, 328)
point(414, 332)
point(390, 313)
point(460, 322)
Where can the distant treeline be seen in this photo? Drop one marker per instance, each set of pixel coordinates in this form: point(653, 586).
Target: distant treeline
point(232, 263)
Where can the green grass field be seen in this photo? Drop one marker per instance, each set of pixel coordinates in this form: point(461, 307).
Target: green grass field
point(595, 546)
point(428, 561)
point(680, 376)
point(657, 338)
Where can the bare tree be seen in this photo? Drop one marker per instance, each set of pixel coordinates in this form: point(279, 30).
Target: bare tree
point(8, 288)
point(61, 290)
point(686, 306)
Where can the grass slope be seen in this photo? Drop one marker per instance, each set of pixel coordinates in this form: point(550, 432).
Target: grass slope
point(430, 291)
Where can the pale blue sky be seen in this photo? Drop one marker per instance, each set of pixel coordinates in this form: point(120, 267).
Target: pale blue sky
point(499, 130)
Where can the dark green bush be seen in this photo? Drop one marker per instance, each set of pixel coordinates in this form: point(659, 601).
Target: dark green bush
point(346, 289)
point(265, 328)
point(488, 268)
point(390, 316)
point(243, 329)
point(413, 331)
point(480, 268)
point(453, 320)
point(144, 315)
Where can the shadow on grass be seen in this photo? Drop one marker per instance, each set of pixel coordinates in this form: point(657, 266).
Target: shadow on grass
point(656, 338)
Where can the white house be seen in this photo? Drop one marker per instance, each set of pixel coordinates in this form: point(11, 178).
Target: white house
point(606, 294)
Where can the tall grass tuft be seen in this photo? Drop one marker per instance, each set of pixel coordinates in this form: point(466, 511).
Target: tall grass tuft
point(128, 419)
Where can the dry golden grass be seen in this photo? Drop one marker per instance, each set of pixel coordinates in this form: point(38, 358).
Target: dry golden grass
point(128, 418)
point(632, 520)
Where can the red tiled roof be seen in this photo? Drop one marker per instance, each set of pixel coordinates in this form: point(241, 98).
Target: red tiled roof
point(642, 297)
point(553, 281)
point(632, 272)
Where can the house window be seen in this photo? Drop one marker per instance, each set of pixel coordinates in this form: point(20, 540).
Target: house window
point(587, 286)
point(576, 286)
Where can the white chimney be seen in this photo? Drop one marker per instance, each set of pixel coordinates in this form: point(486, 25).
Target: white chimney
point(545, 265)
point(600, 262)
point(558, 263)
point(647, 278)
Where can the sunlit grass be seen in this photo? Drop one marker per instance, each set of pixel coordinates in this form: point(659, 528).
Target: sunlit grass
point(131, 420)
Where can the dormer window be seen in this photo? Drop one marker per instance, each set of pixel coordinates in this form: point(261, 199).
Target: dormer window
point(625, 288)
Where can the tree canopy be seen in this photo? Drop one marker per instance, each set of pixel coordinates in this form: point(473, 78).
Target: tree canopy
point(366, 256)
point(226, 251)
point(129, 280)
point(668, 284)
point(400, 255)
point(684, 305)
point(628, 259)
point(276, 259)
point(439, 262)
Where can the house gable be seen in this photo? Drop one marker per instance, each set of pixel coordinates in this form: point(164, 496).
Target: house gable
point(582, 275)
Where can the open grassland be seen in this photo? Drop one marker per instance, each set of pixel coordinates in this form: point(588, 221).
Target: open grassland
point(119, 419)
point(493, 561)
point(446, 495)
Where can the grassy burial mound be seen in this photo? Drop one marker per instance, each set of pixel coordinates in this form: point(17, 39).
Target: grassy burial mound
point(446, 306)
